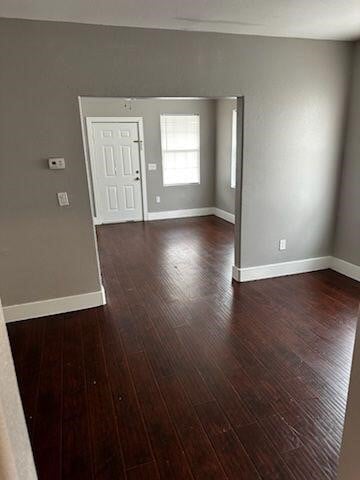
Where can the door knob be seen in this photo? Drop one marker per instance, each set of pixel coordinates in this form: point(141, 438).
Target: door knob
point(137, 178)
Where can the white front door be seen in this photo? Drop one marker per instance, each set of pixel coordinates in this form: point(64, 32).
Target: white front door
point(116, 171)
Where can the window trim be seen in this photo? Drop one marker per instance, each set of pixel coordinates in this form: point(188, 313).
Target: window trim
point(162, 151)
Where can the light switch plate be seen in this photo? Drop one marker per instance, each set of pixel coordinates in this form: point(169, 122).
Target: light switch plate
point(282, 244)
point(63, 199)
point(152, 166)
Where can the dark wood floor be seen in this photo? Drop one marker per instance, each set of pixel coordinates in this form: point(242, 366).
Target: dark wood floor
point(184, 375)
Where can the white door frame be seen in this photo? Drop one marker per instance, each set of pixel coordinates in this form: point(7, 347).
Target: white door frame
point(139, 121)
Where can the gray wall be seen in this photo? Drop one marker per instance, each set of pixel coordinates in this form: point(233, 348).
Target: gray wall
point(347, 243)
point(294, 110)
point(224, 194)
point(349, 465)
point(172, 197)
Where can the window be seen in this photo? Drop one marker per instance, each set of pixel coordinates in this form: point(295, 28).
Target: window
point(180, 145)
point(233, 149)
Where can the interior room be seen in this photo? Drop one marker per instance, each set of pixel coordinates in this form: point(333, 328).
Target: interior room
point(199, 177)
point(179, 240)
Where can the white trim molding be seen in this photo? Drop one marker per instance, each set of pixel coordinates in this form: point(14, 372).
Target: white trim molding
point(280, 269)
point(298, 266)
point(192, 212)
point(188, 212)
point(53, 306)
point(346, 268)
point(184, 213)
point(229, 217)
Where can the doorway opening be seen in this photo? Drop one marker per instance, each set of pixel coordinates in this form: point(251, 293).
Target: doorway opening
point(190, 145)
point(164, 158)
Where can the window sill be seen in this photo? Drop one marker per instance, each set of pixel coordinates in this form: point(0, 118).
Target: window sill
point(180, 184)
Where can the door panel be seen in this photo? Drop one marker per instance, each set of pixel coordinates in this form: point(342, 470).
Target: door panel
point(112, 198)
point(129, 197)
point(108, 156)
point(116, 165)
point(126, 161)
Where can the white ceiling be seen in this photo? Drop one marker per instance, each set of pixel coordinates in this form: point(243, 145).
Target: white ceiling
point(329, 19)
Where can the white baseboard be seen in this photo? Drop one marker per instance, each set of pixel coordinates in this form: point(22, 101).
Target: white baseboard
point(346, 268)
point(280, 269)
point(229, 217)
point(298, 266)
point(54, 306)
point(192, 212)
point(184, 213)
point(188, 212)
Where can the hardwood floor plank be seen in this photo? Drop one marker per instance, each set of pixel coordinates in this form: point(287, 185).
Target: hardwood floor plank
point(304, 465)
point(321, 441)
point(284, 437)
point(48, 418)
point(106, 452)
point(133, 437)
point(202, 458)
point(75, 429)
point(264, 455)
point(230, 451)
point(168, 452)
point(220, 387)
point(27, 359)
point(146, 471)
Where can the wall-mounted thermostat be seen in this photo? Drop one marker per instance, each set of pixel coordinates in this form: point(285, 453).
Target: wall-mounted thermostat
point(56, 163)
point(152, 166)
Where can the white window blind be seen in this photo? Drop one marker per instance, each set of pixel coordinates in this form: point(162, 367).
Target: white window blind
point(180, 144)
point(233, 149)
